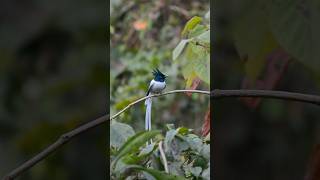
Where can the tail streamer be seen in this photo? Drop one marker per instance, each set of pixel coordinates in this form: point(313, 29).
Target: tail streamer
point(148, 104)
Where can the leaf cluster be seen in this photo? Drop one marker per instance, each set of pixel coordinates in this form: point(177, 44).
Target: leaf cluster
point(193, 51)
point(187, 155)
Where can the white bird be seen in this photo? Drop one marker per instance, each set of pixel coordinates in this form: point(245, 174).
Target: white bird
point(157, 85)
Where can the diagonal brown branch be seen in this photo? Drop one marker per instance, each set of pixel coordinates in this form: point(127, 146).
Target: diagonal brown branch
point(53, 147)
point(215, 94)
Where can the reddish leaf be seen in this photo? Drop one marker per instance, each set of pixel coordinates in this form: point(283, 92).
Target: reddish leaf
point(195, 84)
point(246, 84)
point(140, 25)
point(206, 125)
point(313, 171)
point(276, 65)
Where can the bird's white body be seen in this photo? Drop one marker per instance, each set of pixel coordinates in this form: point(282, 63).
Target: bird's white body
point(156, 86)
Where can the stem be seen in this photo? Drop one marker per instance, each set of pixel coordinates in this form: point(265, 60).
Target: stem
point(313, 99)
point(163, 156)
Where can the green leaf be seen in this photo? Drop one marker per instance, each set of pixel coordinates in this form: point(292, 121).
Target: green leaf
point(194, 56)
point(169, 137)
point(134, 143)
point(123, 162)
point(196, 31)
point(194, 142)
point(205, 151)
point(195, 62)
point(201, 161)
point(253, 43)
point(170, 126)
point(192, 171)
point(190, 25)
point(202, 64)
point(148, 149)
point(186, 62)
point(175, 168)
point(205, 37)
point(179, 146)
point(207, 138)
point(119, 133)
point(295, 24)
point(190, 79)
point(196, 171)
point(183, 130)
point(179, 49)
point(147, 176)
point(129, 159)
point(158, 175)
point(206, 173)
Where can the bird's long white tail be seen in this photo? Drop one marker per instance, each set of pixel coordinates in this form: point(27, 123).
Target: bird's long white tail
point(148, 104)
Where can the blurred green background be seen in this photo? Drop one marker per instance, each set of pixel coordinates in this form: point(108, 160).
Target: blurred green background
point(143, 36)
point(53, 75)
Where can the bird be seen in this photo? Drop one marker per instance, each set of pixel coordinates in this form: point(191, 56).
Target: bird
point(158, 83)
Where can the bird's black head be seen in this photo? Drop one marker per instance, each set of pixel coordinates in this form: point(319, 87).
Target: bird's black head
point(158, 76)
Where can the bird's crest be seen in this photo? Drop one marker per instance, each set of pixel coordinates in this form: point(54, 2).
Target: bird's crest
point(158, 74)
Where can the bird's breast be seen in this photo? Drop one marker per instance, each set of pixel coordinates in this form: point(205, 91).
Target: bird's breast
point(158, 86)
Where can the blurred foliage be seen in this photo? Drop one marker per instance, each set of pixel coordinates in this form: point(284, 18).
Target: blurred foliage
point(143, 37)
point(188, 156)
point(52, 78)
point(288, 25)
point(265, 45)
point(195, 59)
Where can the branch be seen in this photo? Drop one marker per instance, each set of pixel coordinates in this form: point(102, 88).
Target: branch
point(53, 147)
point(69, 135)
point(313, 99)
point(215, 94)
point(157, 95)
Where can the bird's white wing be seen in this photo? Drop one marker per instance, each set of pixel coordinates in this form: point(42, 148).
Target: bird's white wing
point(150, 87)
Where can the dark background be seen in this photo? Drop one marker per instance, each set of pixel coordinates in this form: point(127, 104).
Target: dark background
point(273, 140)
point(53, 78)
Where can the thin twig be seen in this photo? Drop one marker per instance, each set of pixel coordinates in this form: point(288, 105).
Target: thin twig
point(157, 95)
point(215, 94)
point(163, 156)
